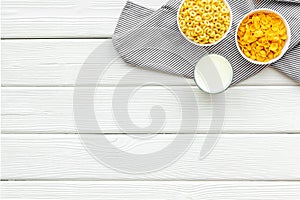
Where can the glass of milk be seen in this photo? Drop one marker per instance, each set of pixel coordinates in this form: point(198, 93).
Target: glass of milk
point(213, 74)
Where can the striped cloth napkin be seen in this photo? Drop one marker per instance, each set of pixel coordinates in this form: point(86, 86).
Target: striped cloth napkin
point(151, 39)
point(295, 1)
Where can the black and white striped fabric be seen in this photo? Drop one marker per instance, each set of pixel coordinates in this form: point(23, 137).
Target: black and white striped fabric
point(294, 1)
point(151, 39)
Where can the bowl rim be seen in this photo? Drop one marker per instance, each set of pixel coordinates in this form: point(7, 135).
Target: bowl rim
point(206, 45)
point(287, 43)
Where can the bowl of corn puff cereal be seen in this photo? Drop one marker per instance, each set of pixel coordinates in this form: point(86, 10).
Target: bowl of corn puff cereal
point(204, 22)
point(263, 36)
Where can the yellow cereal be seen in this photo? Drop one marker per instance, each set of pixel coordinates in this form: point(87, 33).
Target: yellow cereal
point(274, 47)
point(262, 36)
point(209, 20)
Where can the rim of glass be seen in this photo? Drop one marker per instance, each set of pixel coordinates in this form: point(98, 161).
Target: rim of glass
point(231, 76)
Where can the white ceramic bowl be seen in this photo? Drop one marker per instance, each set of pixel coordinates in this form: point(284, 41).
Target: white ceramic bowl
point(203, 45)
point(287, 43)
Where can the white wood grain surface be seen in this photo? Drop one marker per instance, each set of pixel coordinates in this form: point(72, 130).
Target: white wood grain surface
point(57, 63)
point(124, 190)
point(45, 46)
point(63, 18)
point(269, 109)
point(236, 157)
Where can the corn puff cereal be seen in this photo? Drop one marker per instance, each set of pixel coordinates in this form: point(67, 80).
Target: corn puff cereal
point(262, 36)
point(204, 21)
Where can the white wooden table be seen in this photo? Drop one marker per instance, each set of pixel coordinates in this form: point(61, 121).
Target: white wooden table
point(44, 46)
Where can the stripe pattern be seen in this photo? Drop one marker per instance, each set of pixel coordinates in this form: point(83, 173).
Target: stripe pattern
point(151, 39)
point(294, 1)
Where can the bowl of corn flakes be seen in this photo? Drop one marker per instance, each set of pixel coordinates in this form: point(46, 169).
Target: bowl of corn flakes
point(204, 22)
point(263, 36)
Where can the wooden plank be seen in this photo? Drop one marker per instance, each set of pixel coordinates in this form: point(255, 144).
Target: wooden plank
point(265, 109)
point(235, 157)
point(58, 62)
point(151, 190)
point(63, 18)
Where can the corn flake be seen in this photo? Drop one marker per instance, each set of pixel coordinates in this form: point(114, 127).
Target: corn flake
point(262, 36)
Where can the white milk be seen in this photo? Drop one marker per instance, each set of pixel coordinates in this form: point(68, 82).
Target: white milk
point(213, 74)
